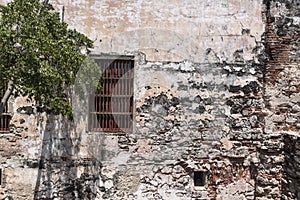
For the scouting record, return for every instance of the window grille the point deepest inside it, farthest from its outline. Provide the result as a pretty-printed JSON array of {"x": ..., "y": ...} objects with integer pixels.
[
  {"x": 113, "y": 104},
  {"x": 5, "y": 116}
]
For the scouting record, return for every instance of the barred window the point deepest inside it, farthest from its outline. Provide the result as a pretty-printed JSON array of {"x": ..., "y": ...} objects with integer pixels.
[
  {"x": 113, "y": 104},
  {"x": 5, "y": 116}
]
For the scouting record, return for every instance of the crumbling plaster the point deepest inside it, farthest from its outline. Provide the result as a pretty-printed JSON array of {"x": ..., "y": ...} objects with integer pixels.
[
  {"x": 169, "y": 30},
  {"x": 207, "y": 98}
]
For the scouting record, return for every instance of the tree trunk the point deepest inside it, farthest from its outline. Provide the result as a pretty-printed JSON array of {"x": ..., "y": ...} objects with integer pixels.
[{"x": 6, "y": 96}]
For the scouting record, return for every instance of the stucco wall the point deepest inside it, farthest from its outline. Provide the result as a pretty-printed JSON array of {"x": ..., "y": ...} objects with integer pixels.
[
  {"x": 203, "y": 99},
  {"x": 169, "y": 30}
]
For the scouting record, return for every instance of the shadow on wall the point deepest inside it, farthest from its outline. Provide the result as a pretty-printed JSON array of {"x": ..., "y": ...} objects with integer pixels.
[
  {"x": 61, "y": 174},
  {"x": 291, "y": 180}
]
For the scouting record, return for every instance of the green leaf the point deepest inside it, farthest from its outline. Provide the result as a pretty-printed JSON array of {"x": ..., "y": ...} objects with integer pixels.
[{"x": 39, "y": 54}]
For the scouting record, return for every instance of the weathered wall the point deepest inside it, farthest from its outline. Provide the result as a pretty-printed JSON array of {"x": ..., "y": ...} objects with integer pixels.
[
  {"x": 169, "y": 30},
  {"x": 281, "y": 96},
  {"x": 213, "y": 92},
  {"x": 291, "y": 183}
]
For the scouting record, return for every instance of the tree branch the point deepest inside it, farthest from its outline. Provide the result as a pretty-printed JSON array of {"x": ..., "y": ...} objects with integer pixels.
[
  {"x": 45, "y": 3},
  {"x": 6, "y": 96}
]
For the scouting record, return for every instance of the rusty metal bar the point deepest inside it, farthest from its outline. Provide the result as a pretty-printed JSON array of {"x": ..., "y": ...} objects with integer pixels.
[
  {"x": 5, "y": 117},
  {"x": 113, "y": 105}
]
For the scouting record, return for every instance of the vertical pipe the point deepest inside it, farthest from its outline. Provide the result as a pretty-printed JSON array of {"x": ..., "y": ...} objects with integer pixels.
[{"x": 63, "y": 14}]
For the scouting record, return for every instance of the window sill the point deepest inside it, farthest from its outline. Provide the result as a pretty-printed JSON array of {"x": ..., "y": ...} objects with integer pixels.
[{"x": 198, "y": 188}]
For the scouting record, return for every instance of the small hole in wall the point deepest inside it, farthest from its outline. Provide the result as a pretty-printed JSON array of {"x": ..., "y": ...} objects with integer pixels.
[{"x": 200, "y": 178}]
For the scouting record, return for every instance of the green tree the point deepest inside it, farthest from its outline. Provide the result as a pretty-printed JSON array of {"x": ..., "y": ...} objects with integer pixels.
[{"x": 39, "y": 55}]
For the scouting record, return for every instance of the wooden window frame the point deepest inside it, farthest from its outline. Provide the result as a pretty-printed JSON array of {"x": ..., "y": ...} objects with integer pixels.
[{"x": 112, "y": 107}]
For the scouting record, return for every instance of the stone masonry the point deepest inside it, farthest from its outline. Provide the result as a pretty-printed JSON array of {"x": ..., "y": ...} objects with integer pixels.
[{"x": 216, "y": 100}]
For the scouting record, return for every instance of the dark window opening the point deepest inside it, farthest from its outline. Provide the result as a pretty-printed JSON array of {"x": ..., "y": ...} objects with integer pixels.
[
  {"x": 200, "y": 178},
  {"x": 113, "y": 104},
  {"x": 4, "y": 116}
]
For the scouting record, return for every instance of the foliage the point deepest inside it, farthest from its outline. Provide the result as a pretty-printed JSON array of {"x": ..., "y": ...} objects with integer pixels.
[{"x": 39, "y": 55}]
